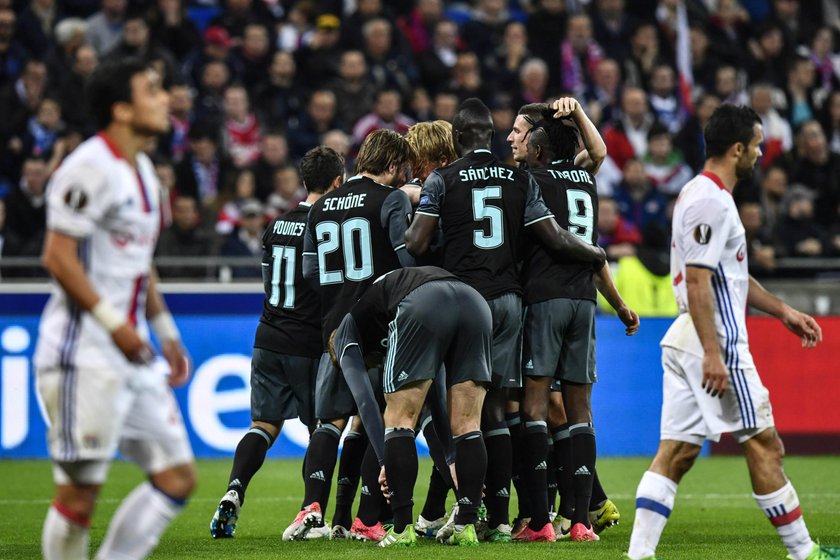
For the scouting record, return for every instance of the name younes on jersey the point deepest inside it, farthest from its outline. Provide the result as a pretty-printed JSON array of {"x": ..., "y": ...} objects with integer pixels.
[
  {"x": 288, "y": 228},
  {"x": 484, "y": 173}
]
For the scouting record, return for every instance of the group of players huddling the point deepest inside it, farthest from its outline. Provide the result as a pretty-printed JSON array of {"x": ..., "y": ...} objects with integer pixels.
[{"x": 437, "y": 290}]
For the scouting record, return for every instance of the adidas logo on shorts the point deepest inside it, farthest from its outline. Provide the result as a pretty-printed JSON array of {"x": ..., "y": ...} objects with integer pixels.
[
  {"x": 503, "y": 493},
  {"x": 402, "y": 377},
  {"x": 365, "y": 490},
  {"x": 582, "y": 471},
  {"x": 541, "y": 467},
  {"x": 530, "y": 364},
  {"x": 318, "y": 475}
]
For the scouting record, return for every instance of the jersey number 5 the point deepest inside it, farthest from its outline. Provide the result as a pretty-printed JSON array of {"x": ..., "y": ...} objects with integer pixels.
[
  {"x": 581, "y": 215},
  {"x": 481, "y": 211},
  {"x": 281, "y": 254},
  {"x": 353, "y": 236}
]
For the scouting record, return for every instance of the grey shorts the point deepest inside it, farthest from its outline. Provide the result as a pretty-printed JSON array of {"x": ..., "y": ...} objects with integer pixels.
[
  {"x": 333, "y": 398},
  {"x": 282, "y": 386},
  {"x": 507, "y": 340},
  {"x": 559, "y": 340},
  {"x": 441, "y": 322}
]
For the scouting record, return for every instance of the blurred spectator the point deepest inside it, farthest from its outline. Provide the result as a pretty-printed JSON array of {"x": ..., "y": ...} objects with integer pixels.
[
  {"x": 729, "y": 29},
  {"x": 761, "y": 255},
  {"x": 766, "y": 62},
  {"x": 626, "y": 136},
  {"x": 664, "y": 166},
  {"x": 165, "y": 172},
  {"x": 774, "y": 184},
  {"x": 274, "y": 154},
  {"x": 643, "y": 56},
  {"x": 418, "y": 26},
  {"x": 831, "y": 121},
  {"x": 436, "y": 62},
  {"x": 12, "y": 54},
  {"x": 667, "y": 107},
  {"x": 818, "y": 169},
  {"x": 704, "y": 63},
  {"x": 729, "y": 86},
  {"x": 19, "y": 100},
  {"x": 280, "y": 99},
  {"x": 612, "y": 26},
  {"x": 505, "y": 65},
  {"x": 352, "y": 36},
  {"x": 420, "y": 107},
  {"x": 339, "y": 141},
  {"x": 579, "y": 55},
  {"x": 501, "y": 109},
  {"x": 239, "y": 13},
  {"x": 254, "y": 54},
  {"x": 354, "y": 92},
  {"x": 466, "y": 78},
  {"x": 639, "y": 202},
  {"x": 387, "y": 113},
  {"x": 246, "y": 239},
  {"x": 320, "y": 117},
  {"x": 801, "y": 78},
  {"x": 217, "y": 48},
  {"x": 778, "y": 138},
  {"x": 209, "y": 104},
  {"x": 296, "y": 31},
  {"x": 74, "y": 106},
  {"x": 533, "y": 83},
  {"x": 205, "y": 173},
  {"x": 486, "y": 26},
  {"x": 184, "y": 238},
  {"x": 826, "y": 62},
  {"x": 545, "y": 25},
  {"x": 105, "y": 26},
  {"x": 690, "y": 140},
  {"x": 602, "y": 98},
  {"x": 617, "y": 236},
  {"x": 288, "y": 191},
  {"x": 172, "y": 29},
  {"x": 317, "y": 60},
  {"x": 176, "y": 142},
  {"x": 26, "y": 213},
  {"x": 644, "y": 279},
  {"x": 388, "y": 65},
  {"x": 797, "y": 234},
  {"x": 43, "y": 128},
  {"x": 69, "y": 38},
  {"x": 444, "y": 106},
  {"x": 231, "y": 211},
  {"x": 135, "y": 41},
  {"x": 241, "y": 128}
]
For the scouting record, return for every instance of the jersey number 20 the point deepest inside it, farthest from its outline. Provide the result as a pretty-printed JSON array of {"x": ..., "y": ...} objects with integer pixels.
[
  {"x": 581, "y": 214},
  {"x": 351, "y": 235}
]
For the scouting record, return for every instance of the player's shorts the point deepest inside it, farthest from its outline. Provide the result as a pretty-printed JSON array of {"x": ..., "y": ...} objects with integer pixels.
[
  {"x": 558, "y": 340},
  {"x": 94, "y": 412},
  {"x": 441, "y": 322},
  {"x": 691, "y": 415},
  {"x": 507, "y": 340},
  {"x": 333, "y": 398},
  {"x": 282, "y": 387}
]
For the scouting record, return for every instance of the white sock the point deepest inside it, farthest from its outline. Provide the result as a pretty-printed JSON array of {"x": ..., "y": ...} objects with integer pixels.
[
  {"x": 654, "y": 502},
  {"x": 782, "y": 508},
  {"x": 138, "y": 524},
  {"x": 65, "y": 535}
]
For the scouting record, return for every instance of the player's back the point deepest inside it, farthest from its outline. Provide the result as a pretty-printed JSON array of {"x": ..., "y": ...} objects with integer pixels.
[
  {"x": 482, "y": 218},
  {"x": 291, "y": 317},
  {"x": 356, "y": 232},
  {"x": 570, "y": 193},
  {"x": 112, "y": 209}
]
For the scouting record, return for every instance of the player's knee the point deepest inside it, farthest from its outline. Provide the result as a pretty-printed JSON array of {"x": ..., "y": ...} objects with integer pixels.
[
  {"x": 178, "y": 482},
  {"x": 534, "y": 410},
  {"x": 81, "y": 500},
  {"x": 270, "y": 428},
  {"x": 684, "y": 458}
]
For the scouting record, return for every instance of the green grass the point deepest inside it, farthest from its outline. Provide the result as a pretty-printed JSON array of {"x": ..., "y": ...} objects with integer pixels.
[{"x": 715, "y": 515}]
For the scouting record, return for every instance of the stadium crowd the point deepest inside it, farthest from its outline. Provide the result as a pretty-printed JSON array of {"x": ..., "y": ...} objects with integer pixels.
[{"x": 255, "y": 84}]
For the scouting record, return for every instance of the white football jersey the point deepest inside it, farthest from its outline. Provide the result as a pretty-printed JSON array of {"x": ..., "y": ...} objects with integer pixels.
[
  {"x": 707, "y": 232},
  {"x": 113, "y": 209}
]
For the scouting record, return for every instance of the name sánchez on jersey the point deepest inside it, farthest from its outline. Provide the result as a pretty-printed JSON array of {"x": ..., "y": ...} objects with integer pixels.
[
  {"x": 345, "y": 202},
  {"x": 484, "y": 173},
  {"x": 288, "y": 228},
  {"x": 574, "y": 175}
]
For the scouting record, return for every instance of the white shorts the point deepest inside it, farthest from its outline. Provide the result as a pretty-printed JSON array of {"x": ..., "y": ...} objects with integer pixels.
[
  {"x": 94, "y": 412},
  {"x": 691, "y": 415}
]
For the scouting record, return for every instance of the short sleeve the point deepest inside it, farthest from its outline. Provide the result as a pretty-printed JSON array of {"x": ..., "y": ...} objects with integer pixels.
[
  {"x": 346, "y": 335},
  {"x": 704, "y": 233},
  {"x": 78, "y": 199},
  {"x": 535, "y": 208},
  {"x": 396, "y": 215},
  {"x": 431, "y": 195}
]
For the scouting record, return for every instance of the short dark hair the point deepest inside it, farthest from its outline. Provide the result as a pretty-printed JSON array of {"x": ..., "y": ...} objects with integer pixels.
[
  {"x": 319, "y": 168},
  {"x": 380, "y": 150},
  {"x": 558, "y": 137},
  {"x": 728, "y": 125},
  {"x": 473, "y": 115},
  {"x": 111, "y": 84},
  {"x": 658, "y": 129}
]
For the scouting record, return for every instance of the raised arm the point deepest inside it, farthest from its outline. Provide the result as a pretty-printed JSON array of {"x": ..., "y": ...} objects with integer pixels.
[
  {"x": 802, "y": 325},
  {"x": 595, "y": 149}
]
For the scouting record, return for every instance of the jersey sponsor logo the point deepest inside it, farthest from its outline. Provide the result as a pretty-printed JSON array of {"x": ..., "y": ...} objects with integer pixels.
[
  {"x": 703, "y": 234},
  {"x": 75, "y": 197},
  {"x": 484, "y": 173},
  {"x": 741, "y": 254}
]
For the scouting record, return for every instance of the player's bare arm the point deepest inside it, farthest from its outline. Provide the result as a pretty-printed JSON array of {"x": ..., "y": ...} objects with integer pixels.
[
  {"x": 595, "y": 150},
  {"x": 702, "y": 309},
  {"x": 60, "y": 259},
  {"x": 802, "y": 325},
  {"x": 567, "y": 244},
  {"x": 419, "y": 235},
  {"x": 167, "y": 333},
  {"x": 605, "y": 285}
]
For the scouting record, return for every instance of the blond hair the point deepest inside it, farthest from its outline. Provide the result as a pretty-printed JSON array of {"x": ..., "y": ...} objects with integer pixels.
[{"x": 430, "y": 142}]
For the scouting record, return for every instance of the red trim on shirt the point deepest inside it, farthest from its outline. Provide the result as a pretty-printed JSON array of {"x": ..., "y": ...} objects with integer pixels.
[
  {"x": 787, "y": 518},
  {"x": 144, "y": 194},
  {"x": 70, "y": 515},
  {"x": 135, "y": 300},
  {"x": 111, "y": 146},
  {"x": 716, "y": 180}
]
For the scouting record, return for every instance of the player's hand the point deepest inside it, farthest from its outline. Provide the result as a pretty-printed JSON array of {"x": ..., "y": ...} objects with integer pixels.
[
  {"x": 131, "y": 345},
  {"x": 715, "y": 375},
  {"x": 802, "y": 325},
  {"x": 179, "y": 362},
  {"x": 383, "y": 484},
  {"x": 630, "y": 319},
  {"x": 565, "y": 107}
]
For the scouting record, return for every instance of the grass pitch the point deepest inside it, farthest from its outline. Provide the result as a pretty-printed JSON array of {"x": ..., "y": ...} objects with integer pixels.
[{"x": 714, "y": 517}]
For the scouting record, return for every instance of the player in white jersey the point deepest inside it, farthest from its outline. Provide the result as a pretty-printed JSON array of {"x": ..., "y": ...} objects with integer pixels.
[
  {"x": 710, "y": 384},
  {"x": 93, "y": 360}
]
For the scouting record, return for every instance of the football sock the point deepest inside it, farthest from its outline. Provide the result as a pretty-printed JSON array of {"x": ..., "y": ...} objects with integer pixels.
[
  {"x": 551, "y": 475},
  {"x": 401, "y": 469},
  {"x": 583, "y": 463},
  {"x": 370, "y": 496},
  {"x": 249, "y": 457},
  {"x": 470, "y": 468},
  {"x": 654, "y": 502},
  {"x": 497, "y": 481},
  {"x": 598, "y": 494},
  {"x": 65, "y": 535},
  {"x": 349, "y": 469},
  {"x": 563, "y": 461},
  {"x": 782, "y": 508},
  {"x": 319, "y": 465},
  {"x": 435, "y": 506},
  {"x": 138, "y": 524},
  {"x": 534, "y": 472},
  {"x": 518, "y": 473}
]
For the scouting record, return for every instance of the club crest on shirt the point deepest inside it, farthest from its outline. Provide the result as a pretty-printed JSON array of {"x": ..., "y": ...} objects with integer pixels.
[
  {"x": 703, "y": 234},
  {"x": 75, "y": 197}
]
